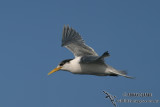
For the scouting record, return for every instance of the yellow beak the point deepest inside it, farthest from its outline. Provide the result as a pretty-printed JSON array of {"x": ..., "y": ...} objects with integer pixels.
[{"x": 54, "y": 70}]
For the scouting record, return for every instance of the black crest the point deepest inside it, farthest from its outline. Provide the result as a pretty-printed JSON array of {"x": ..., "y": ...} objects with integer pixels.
[{"x": 65, "y": 61}]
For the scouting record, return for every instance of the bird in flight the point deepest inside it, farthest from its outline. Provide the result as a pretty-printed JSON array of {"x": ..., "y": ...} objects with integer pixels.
[{"x": 86, "y": 60}]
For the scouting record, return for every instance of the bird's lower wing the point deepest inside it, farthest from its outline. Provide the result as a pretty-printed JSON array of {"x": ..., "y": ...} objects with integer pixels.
[{"x": 91, "y": 60}]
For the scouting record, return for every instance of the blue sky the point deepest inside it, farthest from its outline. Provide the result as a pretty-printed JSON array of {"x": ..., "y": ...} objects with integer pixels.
[{"x": 30, "y": 40}]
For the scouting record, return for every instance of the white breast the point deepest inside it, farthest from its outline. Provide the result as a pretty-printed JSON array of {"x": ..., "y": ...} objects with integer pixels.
[
  {"x": 93, "y": 69},
  {"x": 74, "y": 65}
]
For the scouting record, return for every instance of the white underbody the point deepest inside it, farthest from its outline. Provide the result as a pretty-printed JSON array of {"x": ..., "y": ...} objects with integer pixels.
[{"x": 93, "y": 69}]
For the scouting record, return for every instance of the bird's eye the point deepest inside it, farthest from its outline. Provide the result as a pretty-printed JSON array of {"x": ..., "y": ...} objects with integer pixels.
[{"x": 61, "y": 64}]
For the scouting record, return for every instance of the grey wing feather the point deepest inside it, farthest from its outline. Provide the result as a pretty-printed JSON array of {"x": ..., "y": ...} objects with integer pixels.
[
  {"x": 92, "y": 59},
  {"x": 95, "y": 59},
  {"x": 74, "y": 42}
]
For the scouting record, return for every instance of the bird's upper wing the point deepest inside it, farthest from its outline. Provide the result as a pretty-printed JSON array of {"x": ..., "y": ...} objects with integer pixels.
[{"x": 73, "y": 41}]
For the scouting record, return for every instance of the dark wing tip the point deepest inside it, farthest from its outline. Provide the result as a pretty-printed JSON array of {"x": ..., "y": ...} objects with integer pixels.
[{"x": 70, "y": 35}]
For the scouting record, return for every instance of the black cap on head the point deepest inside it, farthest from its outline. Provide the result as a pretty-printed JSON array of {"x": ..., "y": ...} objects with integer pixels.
[{"x": 65, "y": 61}]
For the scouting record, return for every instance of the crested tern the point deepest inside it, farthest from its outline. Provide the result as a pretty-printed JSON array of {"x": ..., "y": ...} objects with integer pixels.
[{"x": 86, "y": 60}]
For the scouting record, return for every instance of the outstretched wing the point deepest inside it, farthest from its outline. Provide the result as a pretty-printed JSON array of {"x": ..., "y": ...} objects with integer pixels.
[{"x": 74, "y": 42}]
